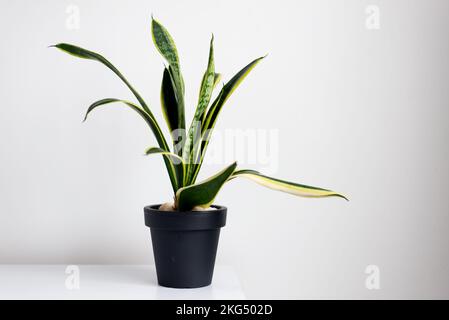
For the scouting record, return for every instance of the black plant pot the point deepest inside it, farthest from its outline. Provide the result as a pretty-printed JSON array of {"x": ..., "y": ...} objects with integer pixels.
[{"x": 185, "y": 245}]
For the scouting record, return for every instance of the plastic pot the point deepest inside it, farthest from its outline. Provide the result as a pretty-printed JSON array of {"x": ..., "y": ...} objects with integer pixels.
[{"x": 185, "y": 245}]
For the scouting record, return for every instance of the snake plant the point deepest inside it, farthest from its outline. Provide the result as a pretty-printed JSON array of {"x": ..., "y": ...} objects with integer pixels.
[{"x": 184, "y": 155}]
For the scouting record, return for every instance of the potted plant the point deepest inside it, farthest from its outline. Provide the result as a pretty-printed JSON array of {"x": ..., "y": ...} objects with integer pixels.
[{"x": 185, "y": 232}]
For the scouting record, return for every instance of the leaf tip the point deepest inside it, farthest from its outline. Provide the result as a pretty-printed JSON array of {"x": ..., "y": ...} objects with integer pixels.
[
  {"x": 87, "y": 114},
  {"x": 154, "y": 21},
  {"x": 57, "y": 46},
  {"x": 342, "y": 196}
]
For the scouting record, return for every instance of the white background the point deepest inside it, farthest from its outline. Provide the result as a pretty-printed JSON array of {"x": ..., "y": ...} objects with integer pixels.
[{"x": 360, "y": 111}]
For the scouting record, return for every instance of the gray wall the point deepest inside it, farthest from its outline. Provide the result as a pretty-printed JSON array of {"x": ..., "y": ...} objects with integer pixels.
[{"x": 356, "y": 109}]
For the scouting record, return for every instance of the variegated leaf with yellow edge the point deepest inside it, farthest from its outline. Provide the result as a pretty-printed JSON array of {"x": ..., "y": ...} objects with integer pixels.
[
  {"x": 286, "y": 186},
  {"x": 203, "y": 193}
]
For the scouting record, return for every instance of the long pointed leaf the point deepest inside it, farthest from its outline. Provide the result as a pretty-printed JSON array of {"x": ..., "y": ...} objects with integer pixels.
[
  {"x": 175, "y": 122},
  {"x": 209, "y": 121},
  {"x": 87, "y": 54},
  {"x": 156, "y": 150},
  {"x": 203, "y": 193},
  {"x": 164, "y": 43},
  {"x": 166, "y": 46},
  {"x": 226, "y": 92},
  {"x": 151, "y": 123},
  {"x": 176, "y": 160},
  {"x": 286, "y": 186},
  {"x": 193, "y": 140}
]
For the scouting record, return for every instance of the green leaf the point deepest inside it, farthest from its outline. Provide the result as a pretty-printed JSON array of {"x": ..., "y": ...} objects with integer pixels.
[
  {"x": 170, "y": 110},
  {"x": 226, "y": 92},
  {"x": 286, "y": 186},
  {"x": 155, "y": 150},
  {"x": 151, "y": 123},
  {"x": 203, "y": 193},
  {"x": 209, "y": 121},
  {"x": 193, "y": 139},
  {"x": 164, "y": 43},
  {"x": 169, "y": 105},
  {"x": 86, "y": 54},
  {"x": 166, "y": 46},
  {"x": 149, "y": 119},
  {"x": 172, "y": 92},
  {"x": 207, "y": 83},
  {"x": 176, "y": 160}
]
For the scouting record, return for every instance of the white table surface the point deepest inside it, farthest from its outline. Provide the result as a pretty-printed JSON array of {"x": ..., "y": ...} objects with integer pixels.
[{"x": 106, "y": 282}]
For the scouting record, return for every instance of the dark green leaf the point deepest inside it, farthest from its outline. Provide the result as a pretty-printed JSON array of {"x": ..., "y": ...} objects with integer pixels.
[
  {"x": 151, "y": 123},
  {"x": 203, "y": 193},
  {"x": 86, "y": 54},
  {"x": 176, "y": 160},
  {"x": 169, "y": 104}
]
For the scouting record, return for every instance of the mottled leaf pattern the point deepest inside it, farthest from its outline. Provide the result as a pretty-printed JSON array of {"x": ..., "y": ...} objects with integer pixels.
[
  {"x": 184, "y": 162},
  {"x": 164, "y": 43},
  {"x": 167, "y": 48},
  {"x": 192, "y": 144}
]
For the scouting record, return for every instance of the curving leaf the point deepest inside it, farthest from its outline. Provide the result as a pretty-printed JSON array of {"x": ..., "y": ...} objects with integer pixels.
[
  {"x": 210, "y": 119},
  {"x": 176, "y": 160},
  {"x": 155, "y": 150},
  {"x": 151, "y": 123},
  {"x": 203, "y": 193},
  {"x": 286, "y": 186},
  {"x": 87, "y": 54},
  {"x": 191, "y": 147}
]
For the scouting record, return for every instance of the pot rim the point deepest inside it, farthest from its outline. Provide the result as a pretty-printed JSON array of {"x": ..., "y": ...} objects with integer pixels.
[
  {"x": 185, "y": 220},
  {"x": 155, "y": 208}
]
